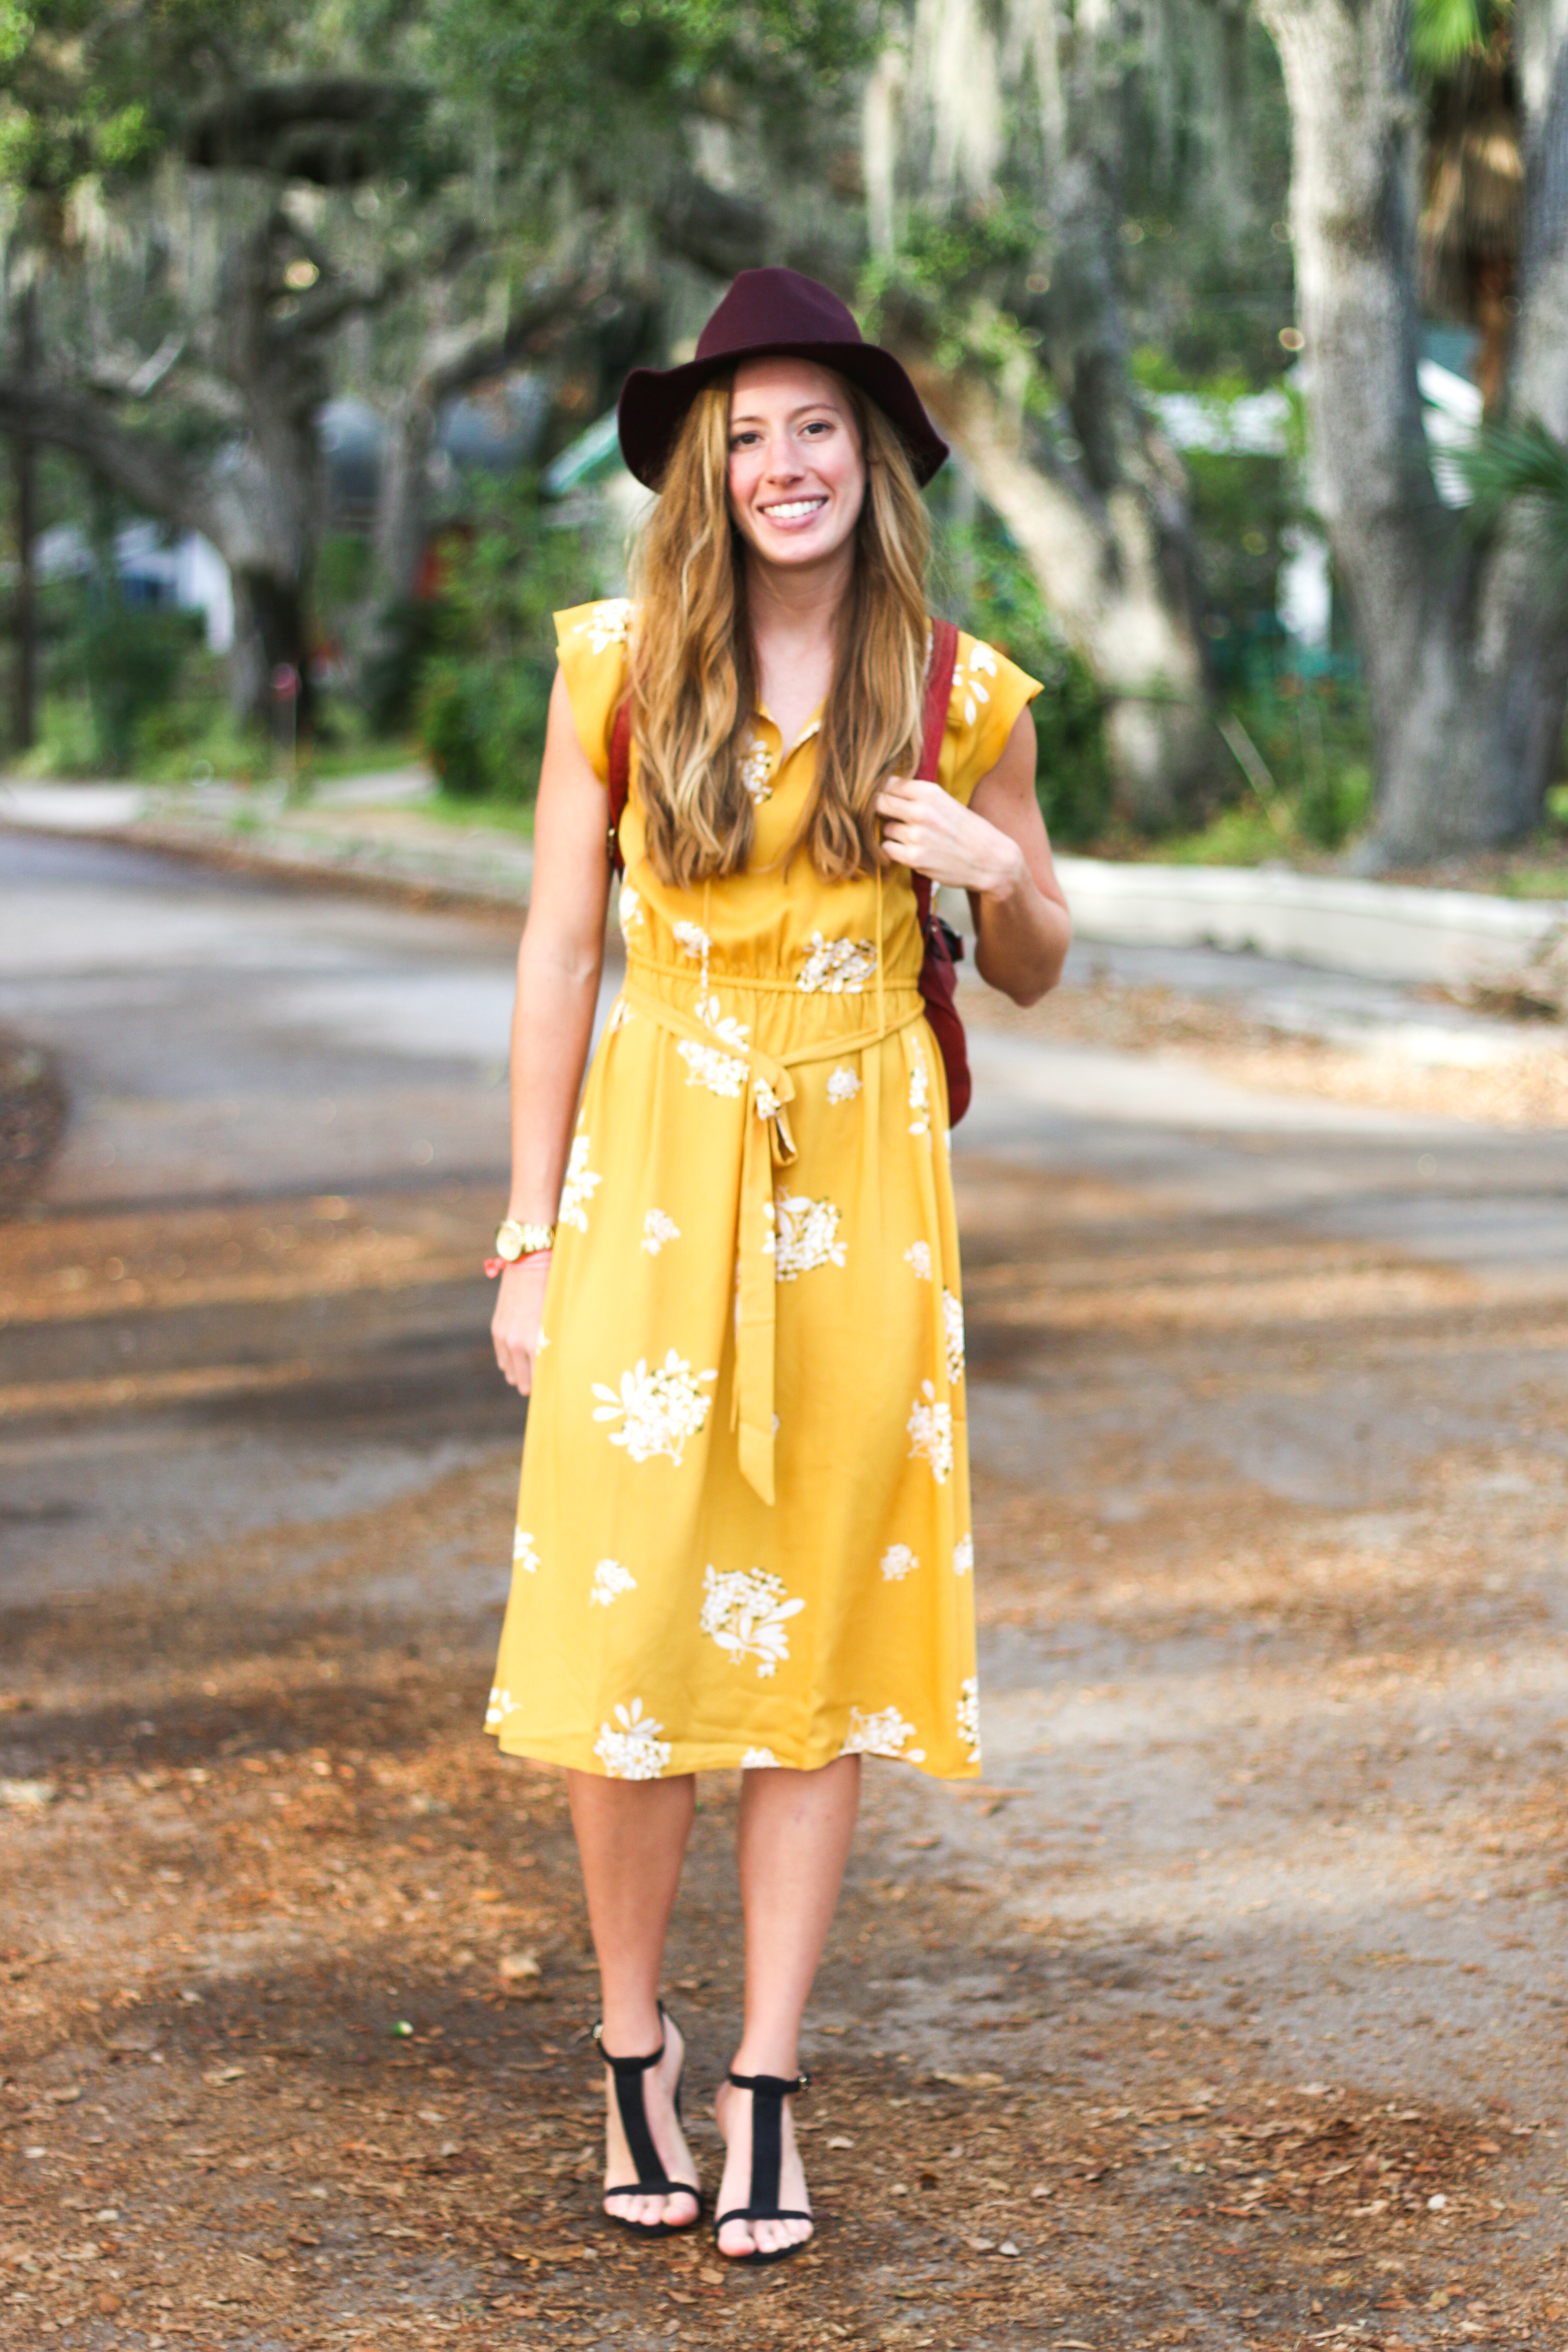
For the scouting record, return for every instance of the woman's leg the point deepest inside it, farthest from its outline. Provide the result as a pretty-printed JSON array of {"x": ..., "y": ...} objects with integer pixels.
[
  {"x": 631, "y": 1836},
  {"x": 795, "y": 1830}
]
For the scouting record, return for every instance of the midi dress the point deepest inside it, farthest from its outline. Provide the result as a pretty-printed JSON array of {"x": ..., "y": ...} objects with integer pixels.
[{"x": 743, "y": 1531}]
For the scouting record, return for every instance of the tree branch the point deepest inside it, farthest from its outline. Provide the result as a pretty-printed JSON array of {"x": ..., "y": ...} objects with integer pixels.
[
  {"x": 459, "y": 356},
  {"x": 153, "y": 475}
]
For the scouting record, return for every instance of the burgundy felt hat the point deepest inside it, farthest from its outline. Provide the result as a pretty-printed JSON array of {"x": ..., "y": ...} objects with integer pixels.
[{"x": 769, "y": 311}]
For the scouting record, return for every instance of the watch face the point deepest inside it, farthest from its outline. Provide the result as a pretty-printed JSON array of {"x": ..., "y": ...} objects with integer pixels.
[{"x": 508, "y": 1242}]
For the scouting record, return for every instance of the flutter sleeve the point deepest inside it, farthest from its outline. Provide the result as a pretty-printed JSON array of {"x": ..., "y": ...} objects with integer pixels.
[
  {"x": 988, "y": 693},
  {"x": 591, "y": 640}
]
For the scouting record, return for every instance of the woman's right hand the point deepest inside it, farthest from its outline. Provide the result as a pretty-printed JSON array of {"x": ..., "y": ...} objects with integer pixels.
[{"x": 514, "y": 1326}]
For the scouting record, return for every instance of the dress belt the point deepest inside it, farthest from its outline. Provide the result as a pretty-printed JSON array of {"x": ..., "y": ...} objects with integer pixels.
[{"x": 769, "y": 1145}]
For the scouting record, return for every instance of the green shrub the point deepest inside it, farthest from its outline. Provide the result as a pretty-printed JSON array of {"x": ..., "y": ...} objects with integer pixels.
[
  {"x": 132, "y": 658},
  {"x": 482, "y": 693},
  {"x": 981, "y": 578}
]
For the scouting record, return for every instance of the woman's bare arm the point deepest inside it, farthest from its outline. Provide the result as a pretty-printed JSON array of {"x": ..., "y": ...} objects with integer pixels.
[
  {"x": 997, "y": 850},
  {"x": 558, "y": 967}
]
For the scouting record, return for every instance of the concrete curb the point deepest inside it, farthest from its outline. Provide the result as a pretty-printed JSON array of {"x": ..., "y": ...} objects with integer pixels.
[
  {"x": 1378, "y": 931},
  {"x": 1381, "y": 931}
]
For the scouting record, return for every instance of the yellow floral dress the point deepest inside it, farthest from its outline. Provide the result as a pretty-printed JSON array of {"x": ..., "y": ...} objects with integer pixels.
[{"x": 744, "y": 1534}]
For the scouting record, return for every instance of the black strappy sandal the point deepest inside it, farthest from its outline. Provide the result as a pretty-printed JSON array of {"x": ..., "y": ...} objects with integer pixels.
[
  {"x": 652, "y": 2180},
  {"x": 769, "y": 2092}
]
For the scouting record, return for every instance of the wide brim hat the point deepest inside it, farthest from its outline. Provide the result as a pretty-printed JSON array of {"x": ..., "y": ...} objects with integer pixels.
[{"x": 771, "y": 314}]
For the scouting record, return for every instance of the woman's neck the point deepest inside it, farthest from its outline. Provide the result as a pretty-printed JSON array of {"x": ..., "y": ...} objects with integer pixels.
[{"x": 793, "y": 614}]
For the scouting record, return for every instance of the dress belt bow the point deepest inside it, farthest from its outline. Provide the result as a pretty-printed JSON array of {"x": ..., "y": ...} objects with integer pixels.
[{"x": 768, "y": 1145}]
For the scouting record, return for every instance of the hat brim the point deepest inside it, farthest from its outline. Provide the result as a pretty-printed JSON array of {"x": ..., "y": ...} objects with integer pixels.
[{"x": 654, "y": 401}]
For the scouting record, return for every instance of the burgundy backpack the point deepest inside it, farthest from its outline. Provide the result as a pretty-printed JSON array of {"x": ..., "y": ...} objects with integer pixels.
[{"x": 944, "y": 948}]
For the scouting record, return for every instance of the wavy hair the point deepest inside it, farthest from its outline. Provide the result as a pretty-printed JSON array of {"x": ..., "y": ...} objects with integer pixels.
[{"x": 693, "y": 668}]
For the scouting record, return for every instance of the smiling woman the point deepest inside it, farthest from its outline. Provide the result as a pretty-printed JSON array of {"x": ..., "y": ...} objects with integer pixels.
[{"x": 744, "y": 1536}]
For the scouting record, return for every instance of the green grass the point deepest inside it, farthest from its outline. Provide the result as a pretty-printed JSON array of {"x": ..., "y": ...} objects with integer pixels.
[
  {"x": 1535, "y": 882},
  {"x": 494, "y": 816}
]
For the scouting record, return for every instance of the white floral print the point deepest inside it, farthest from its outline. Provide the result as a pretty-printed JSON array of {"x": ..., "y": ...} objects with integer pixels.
[
  {"x": 759, "y": 1760},
  {"x": 964, "y": 1556},
  {"x": 693, "y": 941},
  {"x": 656, "y": 1230},
  {"x": 842, "y": 1084},
  {"x": 806, "y": 1235},
  {"x": 917, "y": 1257},
  {"x": 929, "y": 1427},
  {"x": 757, "y": 769},
  {"x": 658, "y": 1410},
  {"x": 578, "y": 1190},
  {"x": 724, "y": 1026},
  {"x": 897, "y": 1562},
  {"x": 919, "y": 1095},
  {"x": 523, "y": 1555},
  {"x": 969, "y": 1715},
  {"x": 630, "y": 908},
  {"x": 952, "y": 1332},
  {"x": 635, "y": 1752},
  {"x": 837, "y": 967},
  {"x": 611, "y": 1576},
  {"x": 745, "y": 1611},
  {"x": 768, "y": 1105},
  {"x": 610, "y": 623},
  {"x": 620, "y": 1013},
  {"x": 502, "y": 1704},
  {"x": 722, "y": 1073},
  {"x": 966, "y": 681},
  {"x": 883, "y": 1734}
]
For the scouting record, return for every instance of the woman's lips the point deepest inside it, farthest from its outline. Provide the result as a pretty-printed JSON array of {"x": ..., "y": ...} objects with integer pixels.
[{"x": 793, "y": 514}]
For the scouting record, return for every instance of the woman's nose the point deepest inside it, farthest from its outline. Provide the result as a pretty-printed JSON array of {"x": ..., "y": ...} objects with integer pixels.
[{"x": 783, "y": 462}]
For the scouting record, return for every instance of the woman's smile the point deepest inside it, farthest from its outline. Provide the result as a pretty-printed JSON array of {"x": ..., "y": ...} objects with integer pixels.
[{"x": 793, "y": 514}]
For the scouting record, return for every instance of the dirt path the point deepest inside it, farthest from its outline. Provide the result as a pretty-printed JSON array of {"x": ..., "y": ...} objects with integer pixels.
[{"x": 1227, "y": 2011}]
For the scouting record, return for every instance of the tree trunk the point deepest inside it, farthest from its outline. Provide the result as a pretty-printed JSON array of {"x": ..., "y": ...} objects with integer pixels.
[
  {"x": 1466, "y": 656},
  {"x": 1121, "y": 590},
  {"x": 24, "y": 470},
  {"x": 271, "y": 633}
]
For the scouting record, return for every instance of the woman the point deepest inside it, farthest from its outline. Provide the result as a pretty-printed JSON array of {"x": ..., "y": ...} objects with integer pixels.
[{"x": 744, "y": 1531}]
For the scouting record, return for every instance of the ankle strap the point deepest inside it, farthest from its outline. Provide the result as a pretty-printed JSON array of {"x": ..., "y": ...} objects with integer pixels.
[
  {"x": 630, "y": 2065},
  {"x": 777, "y": 2084}
]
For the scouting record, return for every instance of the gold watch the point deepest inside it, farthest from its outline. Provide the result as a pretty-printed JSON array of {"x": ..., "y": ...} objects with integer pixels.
[{"x": 514, "y": 1241}]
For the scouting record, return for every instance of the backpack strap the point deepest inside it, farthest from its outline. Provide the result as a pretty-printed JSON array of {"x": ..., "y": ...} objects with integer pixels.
[
  {"x": 939, "y": 694},
  {"x": 620, "y": 780}
]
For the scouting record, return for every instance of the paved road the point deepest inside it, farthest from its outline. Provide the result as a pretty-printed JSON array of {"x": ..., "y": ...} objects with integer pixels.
[{"x": 1266, "y": 1410}]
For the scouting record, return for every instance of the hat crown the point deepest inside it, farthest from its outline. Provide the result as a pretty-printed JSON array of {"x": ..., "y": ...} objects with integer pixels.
[{"x": 777, "y": 306}]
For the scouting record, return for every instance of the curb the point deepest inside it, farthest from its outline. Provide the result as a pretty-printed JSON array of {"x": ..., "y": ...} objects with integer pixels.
[
  {"x": 1380, "y": 930},
  {"x": 1377, "y": 931}
]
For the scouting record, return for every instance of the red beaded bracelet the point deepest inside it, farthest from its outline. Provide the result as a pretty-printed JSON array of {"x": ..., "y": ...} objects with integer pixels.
[{"x": 494, "y": 1265}]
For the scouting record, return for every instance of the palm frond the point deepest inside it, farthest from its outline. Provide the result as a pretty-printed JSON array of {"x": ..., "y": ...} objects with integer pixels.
[
  {"x": 1445, "y": 31},
  {"x": 1521, "y": 465}
]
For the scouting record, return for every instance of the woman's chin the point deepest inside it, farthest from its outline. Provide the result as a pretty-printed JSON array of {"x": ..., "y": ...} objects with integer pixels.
[{"x": 792, "y": 550}]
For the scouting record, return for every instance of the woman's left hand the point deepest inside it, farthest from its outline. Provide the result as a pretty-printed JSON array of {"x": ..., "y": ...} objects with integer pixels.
[{"x": 926, "y": 829}]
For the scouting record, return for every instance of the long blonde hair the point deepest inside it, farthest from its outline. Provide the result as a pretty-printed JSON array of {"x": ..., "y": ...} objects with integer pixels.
[{"x": 693, "y": 683}]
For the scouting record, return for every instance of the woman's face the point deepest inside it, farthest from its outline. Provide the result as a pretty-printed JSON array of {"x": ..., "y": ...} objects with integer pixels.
[{"x": 797, "y": 475}]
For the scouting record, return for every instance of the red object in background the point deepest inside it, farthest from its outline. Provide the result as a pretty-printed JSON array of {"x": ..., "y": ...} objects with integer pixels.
[
  {"x": 430, "y": 580},
  {"x": 286, "y": 682}
]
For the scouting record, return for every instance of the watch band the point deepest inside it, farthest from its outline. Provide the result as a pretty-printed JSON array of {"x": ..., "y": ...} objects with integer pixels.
[{"x": 514, "y": 1240}]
